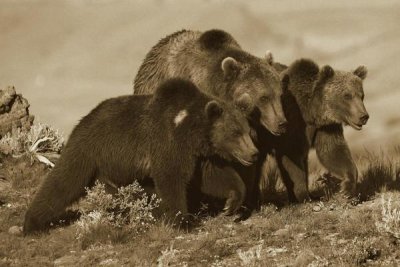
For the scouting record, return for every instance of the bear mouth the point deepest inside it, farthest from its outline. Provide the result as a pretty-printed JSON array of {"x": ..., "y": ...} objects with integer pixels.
[
  {"x": 276, "y": 132},
  {"x": 242, "y": 160},
  {"x": 356, "y": 126}
]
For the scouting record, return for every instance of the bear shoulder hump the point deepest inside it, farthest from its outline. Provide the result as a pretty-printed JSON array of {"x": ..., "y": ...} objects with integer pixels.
[
  {"x": 303, "y": 67},
  {"x": 216, "y": 39},
  {"x": 176, "y": 89}
]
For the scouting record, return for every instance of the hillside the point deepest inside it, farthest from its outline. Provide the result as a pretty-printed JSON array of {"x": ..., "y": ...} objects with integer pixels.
[{"x": 320, "y": 233}]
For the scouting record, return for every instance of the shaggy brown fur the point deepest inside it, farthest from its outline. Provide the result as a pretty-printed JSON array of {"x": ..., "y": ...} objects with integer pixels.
[
  {"x": 214, "y": 61},
  {"x": 165, "y": 136},
  {"x": 317, "y": 102}
]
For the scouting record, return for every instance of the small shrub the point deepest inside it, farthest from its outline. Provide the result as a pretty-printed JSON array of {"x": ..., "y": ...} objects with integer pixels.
[
  {"x": 130, "y": 209},
  {"x": 168, "y": 256},
  {"x": 390, "y": 218},
  {"x": 39, "y": 143},
  {"x": 250, "y": 257}
]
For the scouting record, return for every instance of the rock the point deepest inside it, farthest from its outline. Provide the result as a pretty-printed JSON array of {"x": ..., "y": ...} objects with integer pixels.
[
  {"x": 281, "y": 232},
  {"x": 107, "y": 262},
  {"x": 6, "y": 96},
  {"x": 68, "y": 260},
  {"x": 316, "y": 208},
  {"x": 304, "y": 258},
  {"x": 15, "y": 230},
  {"x": 14, "y": 111}
]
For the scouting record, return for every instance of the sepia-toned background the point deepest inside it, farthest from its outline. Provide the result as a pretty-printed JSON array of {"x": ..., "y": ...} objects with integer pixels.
[{"x": 67, "y": 56}]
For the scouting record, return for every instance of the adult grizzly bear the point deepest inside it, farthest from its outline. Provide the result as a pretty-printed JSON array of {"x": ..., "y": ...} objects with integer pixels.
[
  {"x": 215, "y": 62},
  {"x": 163, "y": 136},
  {"x": 317, "y": 103}
]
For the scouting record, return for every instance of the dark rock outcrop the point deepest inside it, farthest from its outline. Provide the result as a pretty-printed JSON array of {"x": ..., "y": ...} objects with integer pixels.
[{"x": 14, "y": 111}]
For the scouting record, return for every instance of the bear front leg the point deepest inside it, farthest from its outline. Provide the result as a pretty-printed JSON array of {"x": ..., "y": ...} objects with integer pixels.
[
  {"x": 294, "y": 173},
  {"x": 171, "y": 181},
  {"x": 251, "y": 178},
  {"x": 223, "y": 182},
  {"x": 335, "y": 156}
]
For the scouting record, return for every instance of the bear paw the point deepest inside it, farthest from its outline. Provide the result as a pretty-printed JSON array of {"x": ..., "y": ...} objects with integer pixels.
[
  {"x": 244, "y": 214},
  {"x": 233, "y": 203}
]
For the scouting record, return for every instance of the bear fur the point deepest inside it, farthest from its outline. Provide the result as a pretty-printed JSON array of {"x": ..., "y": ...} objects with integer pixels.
[
  {"x": 215, "y": 62},
  {"x": 317, "y": 102},
  {"x": 164, "y": 136}
]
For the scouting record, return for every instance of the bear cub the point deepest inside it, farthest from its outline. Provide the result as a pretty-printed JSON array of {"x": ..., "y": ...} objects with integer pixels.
[
  {"x": 164, "y": 136},
  {"x": 317, "y": 103}
]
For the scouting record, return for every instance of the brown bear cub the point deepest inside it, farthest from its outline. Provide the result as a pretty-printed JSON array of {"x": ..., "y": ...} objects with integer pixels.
[
  {"x": 164, "y": 136},
  {"x": 215, "y": 62},
  {"x": 317, "y": 103}
]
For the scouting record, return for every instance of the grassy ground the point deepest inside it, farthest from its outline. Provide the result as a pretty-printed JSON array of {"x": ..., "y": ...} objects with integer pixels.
[{"x": 320, "y": 233}]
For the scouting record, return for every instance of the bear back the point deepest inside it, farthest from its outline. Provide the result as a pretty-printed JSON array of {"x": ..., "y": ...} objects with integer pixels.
[{"x": 216, "y": 39}]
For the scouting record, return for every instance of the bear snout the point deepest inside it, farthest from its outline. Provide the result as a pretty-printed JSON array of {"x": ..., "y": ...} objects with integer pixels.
[
  {"x": 364, "y": 118},
  {"x": 251, "y": 155},
  {"x": 282, "y": 125},
  {"x": 254, "y": 155}
]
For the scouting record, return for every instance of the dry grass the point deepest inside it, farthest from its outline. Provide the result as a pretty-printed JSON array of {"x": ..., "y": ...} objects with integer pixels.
[{"x": 333, "y": 234}]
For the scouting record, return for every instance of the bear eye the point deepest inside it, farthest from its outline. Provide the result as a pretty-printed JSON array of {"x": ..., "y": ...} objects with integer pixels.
[
  {"x": 237, "y": 133},
  {"x": 241, "y": 107},
  {"x": 264, "y": 98},
  {"x": 348, "y": 96}
]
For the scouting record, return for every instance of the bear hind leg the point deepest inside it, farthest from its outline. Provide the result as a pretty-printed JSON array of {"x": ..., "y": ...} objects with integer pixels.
[{"x": 64, "y": 185}]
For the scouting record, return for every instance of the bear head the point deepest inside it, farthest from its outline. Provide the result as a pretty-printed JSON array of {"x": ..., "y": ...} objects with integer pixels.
[
  {"x": 256, "y": 77},
  {"x": 221, "y": 125},
  {"x": 342, "y": 96},
  {"x": 230, "y": 131}
]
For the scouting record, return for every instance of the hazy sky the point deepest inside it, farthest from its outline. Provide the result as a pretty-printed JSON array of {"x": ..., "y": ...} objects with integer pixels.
[{"x": 67, "y": 56}]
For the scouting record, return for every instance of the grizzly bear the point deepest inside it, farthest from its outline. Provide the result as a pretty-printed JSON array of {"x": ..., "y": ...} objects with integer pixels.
[
  {"x": 317, "y": 103},
  {"x": 164, "y": 136},
  {"x": 214, "y": 61}
]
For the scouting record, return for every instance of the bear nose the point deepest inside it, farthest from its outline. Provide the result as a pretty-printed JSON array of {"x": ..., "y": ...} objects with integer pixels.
[
  {"x": 254, "y": 155},
  {"x": 283, "y": 124},
  {"x": 364, "y": 119}
]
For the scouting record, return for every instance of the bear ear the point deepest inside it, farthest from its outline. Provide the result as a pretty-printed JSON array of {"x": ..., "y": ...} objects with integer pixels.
[
  {"x": 230, "y": 67},
  {"x": 326, "y": 72},
  {"x": 213, "y": 110},
  {"x": 269, "y": 57},
  {"x": 245, "y": 103},
  {"x": 361, "y": 72}
]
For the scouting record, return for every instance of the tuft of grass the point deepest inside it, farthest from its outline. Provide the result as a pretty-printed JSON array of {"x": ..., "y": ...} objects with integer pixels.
[
  {"x": 40, "y": 143},
  {"x": 251, "y": 257},
  {"x": 380, "y": 172},
  {"x": 390, "y": 218},
  {"x": 168, "y": 256}
]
